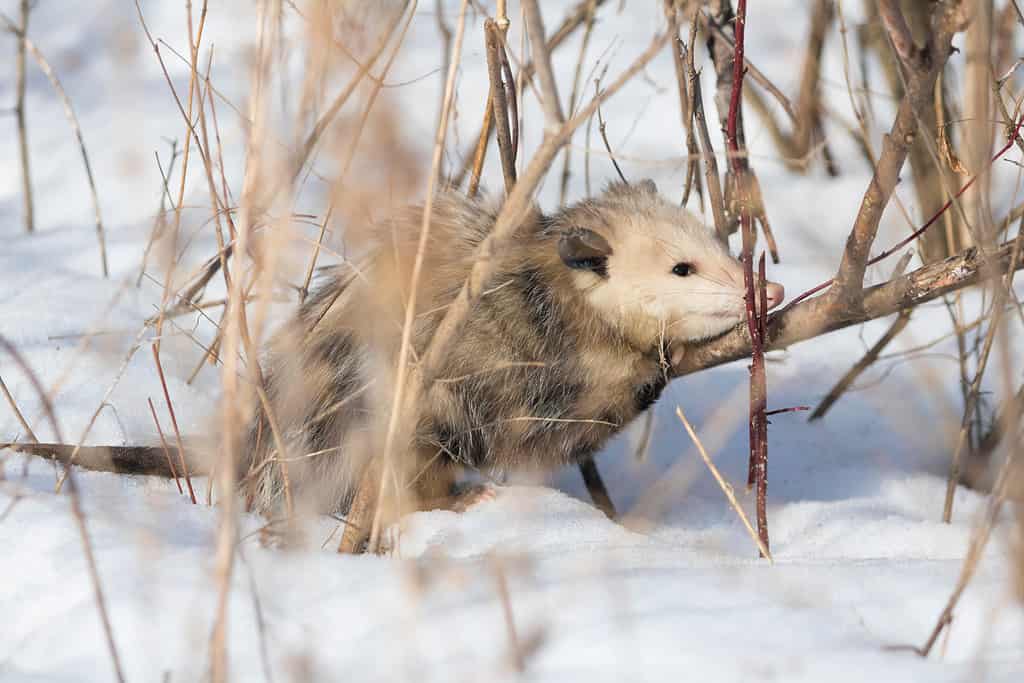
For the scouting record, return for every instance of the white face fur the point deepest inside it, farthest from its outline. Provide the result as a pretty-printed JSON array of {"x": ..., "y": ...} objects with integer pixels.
[{"x": 666, "y": 273}]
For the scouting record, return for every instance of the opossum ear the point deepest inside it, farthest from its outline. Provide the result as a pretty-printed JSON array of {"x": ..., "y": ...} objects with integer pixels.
[{"x": 583, "y": 249}]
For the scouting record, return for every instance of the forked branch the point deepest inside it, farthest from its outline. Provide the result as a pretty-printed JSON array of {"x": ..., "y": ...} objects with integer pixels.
[
  {"x": 814, "y": 317},
  {"x": 946, "y": 21}
]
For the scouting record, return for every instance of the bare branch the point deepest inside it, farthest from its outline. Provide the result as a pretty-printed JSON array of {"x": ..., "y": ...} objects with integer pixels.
[
  {"x": 19, "y": 115},
  {"x": 815, "y": 317},
  {"x": 69, "y": 113},
  {"x": 726, "y": 487},
  {"x": 542, "y": 61},
  {"x": 899, "y": 32},
  {"x": 895, "y": 147},
  {"x": 76, "y": 508},
  {"x": 860, "y": 366},
  {"x": 712, "y": 179},
  {"x": 499, "y": 105}
]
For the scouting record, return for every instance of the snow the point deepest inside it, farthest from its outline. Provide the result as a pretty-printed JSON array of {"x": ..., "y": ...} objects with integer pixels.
[{"x": 862, "y": 562}]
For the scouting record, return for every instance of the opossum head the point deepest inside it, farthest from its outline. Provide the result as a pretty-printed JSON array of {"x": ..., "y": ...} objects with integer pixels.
[{"x": 650, "y": 268}]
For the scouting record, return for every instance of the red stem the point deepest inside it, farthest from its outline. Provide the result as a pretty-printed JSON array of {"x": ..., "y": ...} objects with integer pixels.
[
  {"x": 163, "y": 442},
  {"x": 762, "y": 403},
  {"x": 755, "y": 291},
  {"x": 174, "y": 422},
  {"x": 737, "y": 81},
  {"x": 780, "y": 411}
]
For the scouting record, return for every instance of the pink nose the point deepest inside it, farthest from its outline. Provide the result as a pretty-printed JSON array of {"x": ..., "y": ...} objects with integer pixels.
[{"x": 775, "y": 293}]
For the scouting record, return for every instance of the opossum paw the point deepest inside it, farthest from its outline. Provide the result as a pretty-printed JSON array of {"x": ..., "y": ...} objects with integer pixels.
[{"x": 463, "y": 499}]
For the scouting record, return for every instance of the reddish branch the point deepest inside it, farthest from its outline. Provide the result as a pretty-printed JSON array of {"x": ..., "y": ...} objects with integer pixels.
[
  {"x": 1014, "y": 137},
  {"x": 742, "y": 189},
  {"x": 755, "y": 295}
]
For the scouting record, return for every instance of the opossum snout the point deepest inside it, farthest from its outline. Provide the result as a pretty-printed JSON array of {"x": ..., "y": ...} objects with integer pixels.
[{"x": 775, "y": 293}]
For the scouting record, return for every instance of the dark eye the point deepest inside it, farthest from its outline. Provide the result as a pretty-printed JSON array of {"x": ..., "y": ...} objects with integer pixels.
[{"x": 683, "y": 269}]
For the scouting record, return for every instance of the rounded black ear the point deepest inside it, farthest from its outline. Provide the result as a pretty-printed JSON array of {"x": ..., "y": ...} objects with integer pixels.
[{"x": 583, "y": 249}]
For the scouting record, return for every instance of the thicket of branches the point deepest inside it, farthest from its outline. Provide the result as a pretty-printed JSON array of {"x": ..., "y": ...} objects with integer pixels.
[{"x": 958, "y": 114}]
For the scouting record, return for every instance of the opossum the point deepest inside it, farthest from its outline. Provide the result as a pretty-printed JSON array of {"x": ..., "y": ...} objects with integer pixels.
[{"x": 572, "y": 338}]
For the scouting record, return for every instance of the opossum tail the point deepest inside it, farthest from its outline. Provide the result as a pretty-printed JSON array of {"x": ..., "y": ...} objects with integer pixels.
[{"x": 149, "y": 460}]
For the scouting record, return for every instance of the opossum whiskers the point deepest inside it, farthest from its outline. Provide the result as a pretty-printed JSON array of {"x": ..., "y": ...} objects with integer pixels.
[
  {"x": 538, "y": 418},
  {"x": 703, "y": 275}
]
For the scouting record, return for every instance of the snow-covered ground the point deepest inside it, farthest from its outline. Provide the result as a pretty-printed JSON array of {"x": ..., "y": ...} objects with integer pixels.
[{"x": 862, "y": 562}]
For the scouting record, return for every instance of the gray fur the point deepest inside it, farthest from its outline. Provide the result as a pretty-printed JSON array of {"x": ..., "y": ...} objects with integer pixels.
[
  {"x": 569, "y": 342},
  {"x": 514, "y": 389}
]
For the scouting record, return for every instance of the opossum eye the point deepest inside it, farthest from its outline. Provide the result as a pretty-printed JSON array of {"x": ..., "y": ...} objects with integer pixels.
[
  {"x": 683, "y": 269},
  {"x": 583, "y": 249}
]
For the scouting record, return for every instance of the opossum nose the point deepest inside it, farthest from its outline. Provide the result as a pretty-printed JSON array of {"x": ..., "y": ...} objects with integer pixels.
[{"x": 775, "y": 293}]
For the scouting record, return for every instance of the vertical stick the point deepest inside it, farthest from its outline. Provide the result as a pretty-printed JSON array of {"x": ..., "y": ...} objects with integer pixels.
[
  {"x": 19, "y": 114},
  {"x": 758, "y": 466},
  {"x": 398, "y": 405},
  {"x": 174, "y": 422},
  {"x": 163, "y": 444},
  {"x": 495, "y": 41},
  {"x": 17, "y": 413},
  {"x": 762, "y": 402}
]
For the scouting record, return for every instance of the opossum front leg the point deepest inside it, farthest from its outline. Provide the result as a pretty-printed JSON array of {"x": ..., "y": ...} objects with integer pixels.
[
  {"x": 432, "y": 486},
  {"x": 435, "y": 486}
]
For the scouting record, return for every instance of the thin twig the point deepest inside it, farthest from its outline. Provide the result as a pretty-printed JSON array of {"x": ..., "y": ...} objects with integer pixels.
[
  {"x": 397, "y": 406},
  {"x": 339, "y": 101},
  {"x": 860, "y": 366},
  {"x": 19, "y": 115},
  {"x": 998, "y": 308},
  {"x": 77, "y": 510},
  {"x": 712, "y": 179},
  {"x": 575, "y": 94},
  {"x": 682, "y": 60},
  {"x": 1008, "y": 471},
  {"x": 931, "y": 221},
  {"x": 304, "y": 292},
  {"x": 163, "y": 444},
  {"x": 896, "y": 145},
  {"x": 69, "y": 113},
  {"x": 755, "y": 289},
  {"x": 542, "y": 61},
  {"x": 726, "y": 487},
  {"x": 17, "y": 413},
  {"x": 499, "y": 105},
  {"x": 604, "y": 137},
  {"x": 174, "y": 422},
  {"x": 751, "y": 69},
  {"x": 99, "y": 408}
]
